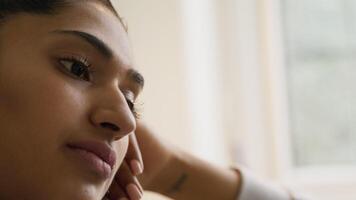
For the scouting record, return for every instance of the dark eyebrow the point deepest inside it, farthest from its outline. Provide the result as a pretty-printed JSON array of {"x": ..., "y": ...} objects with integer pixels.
[
  {"x": 133, "y": 74},
  {"x": 91, "y": 39},
  {"x": 136, "y": 77}
]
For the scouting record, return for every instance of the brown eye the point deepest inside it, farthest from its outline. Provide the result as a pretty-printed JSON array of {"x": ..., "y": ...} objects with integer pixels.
[
  {"x": 130, "y": 104},
  {"x": 130, "y": 101},
  {"x": 76, "y": 68},
  {"x": 133, "y": 108}
]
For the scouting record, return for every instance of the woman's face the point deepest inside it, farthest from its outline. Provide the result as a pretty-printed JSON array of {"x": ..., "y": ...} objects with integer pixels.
[{"x": 49, "y": 104}]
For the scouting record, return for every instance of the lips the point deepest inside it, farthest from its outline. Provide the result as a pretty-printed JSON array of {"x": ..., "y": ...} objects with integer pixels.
[{"x": 100, "y": 149}]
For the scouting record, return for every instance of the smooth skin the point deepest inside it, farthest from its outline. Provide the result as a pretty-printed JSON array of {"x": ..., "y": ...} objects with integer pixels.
[{"x": 44, "y": 106}]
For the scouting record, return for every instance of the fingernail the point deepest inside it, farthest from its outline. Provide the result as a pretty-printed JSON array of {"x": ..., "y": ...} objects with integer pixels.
[
  {"x": 136, "y": 167},
  {"x": 133, "y": 192}
]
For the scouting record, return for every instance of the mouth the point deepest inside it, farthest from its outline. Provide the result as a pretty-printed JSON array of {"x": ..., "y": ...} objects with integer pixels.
[{"x": 97, "y": 156}]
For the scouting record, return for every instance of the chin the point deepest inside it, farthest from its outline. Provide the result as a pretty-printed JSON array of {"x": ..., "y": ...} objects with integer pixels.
[
  {"x": 82, "y": 194},
  {"x": 77, "y": 188}
]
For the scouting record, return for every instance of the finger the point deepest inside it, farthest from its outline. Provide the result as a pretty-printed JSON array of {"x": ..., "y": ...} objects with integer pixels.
[
  {"x": 133, "y": 192},
  {"x": 133, "y": 156},
  {"x": 125, "y": 178},
  {"x": 117, "y": 192}
]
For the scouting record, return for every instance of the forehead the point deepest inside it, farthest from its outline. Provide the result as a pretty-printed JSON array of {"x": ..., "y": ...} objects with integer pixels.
[{"x": 90, "y": 17}]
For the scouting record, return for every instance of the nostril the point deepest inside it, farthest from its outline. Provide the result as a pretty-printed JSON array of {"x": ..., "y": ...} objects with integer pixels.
[{"x": 110, "y": 125}]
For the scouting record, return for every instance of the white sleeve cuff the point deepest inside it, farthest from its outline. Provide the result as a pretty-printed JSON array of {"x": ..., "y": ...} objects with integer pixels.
[{"x": 255, "y": 189}]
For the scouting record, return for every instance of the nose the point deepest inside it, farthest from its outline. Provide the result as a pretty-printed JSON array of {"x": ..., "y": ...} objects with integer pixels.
[{"x": 112, "y": 115}]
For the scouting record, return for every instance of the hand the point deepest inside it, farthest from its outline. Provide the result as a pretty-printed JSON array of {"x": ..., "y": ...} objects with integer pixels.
[
  {"x": 179, "y": 175},
  {"x": 156, "y": 155},
  {"x": 125, "y": 183}
]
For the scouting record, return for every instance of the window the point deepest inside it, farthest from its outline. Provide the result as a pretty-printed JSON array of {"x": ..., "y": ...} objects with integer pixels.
[{"x": 320, "y": 41}]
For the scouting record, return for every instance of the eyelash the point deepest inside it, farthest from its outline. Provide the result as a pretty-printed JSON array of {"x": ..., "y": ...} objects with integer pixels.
[
  {"x": 83, "y": 62},
  {"x": 134, "y": 109}
]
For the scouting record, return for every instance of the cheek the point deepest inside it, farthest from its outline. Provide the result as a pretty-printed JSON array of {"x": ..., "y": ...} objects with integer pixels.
[{"x": 37, "y": 101}]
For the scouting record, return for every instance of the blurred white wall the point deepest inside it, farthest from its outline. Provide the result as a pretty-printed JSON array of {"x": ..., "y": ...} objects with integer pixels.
[
  {"x": 156, "y": 35},
  {"x": 174, "y": 45}
]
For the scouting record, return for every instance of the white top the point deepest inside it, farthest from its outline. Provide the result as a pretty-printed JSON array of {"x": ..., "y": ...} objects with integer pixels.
[{"x": 253, "y": 188}]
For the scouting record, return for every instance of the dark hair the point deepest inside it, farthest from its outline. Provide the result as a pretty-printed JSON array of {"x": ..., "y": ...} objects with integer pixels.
[{"x": 42, "y": 7}]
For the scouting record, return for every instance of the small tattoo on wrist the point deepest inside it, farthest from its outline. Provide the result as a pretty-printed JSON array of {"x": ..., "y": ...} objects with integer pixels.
[{"x": 178, "y": 184}]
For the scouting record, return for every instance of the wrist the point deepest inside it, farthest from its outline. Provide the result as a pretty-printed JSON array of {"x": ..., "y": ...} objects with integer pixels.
[
  {"x": 166, "y": 175},
  {"x": 188, "y": 177},
  {"x": 173, "y": 178}
]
